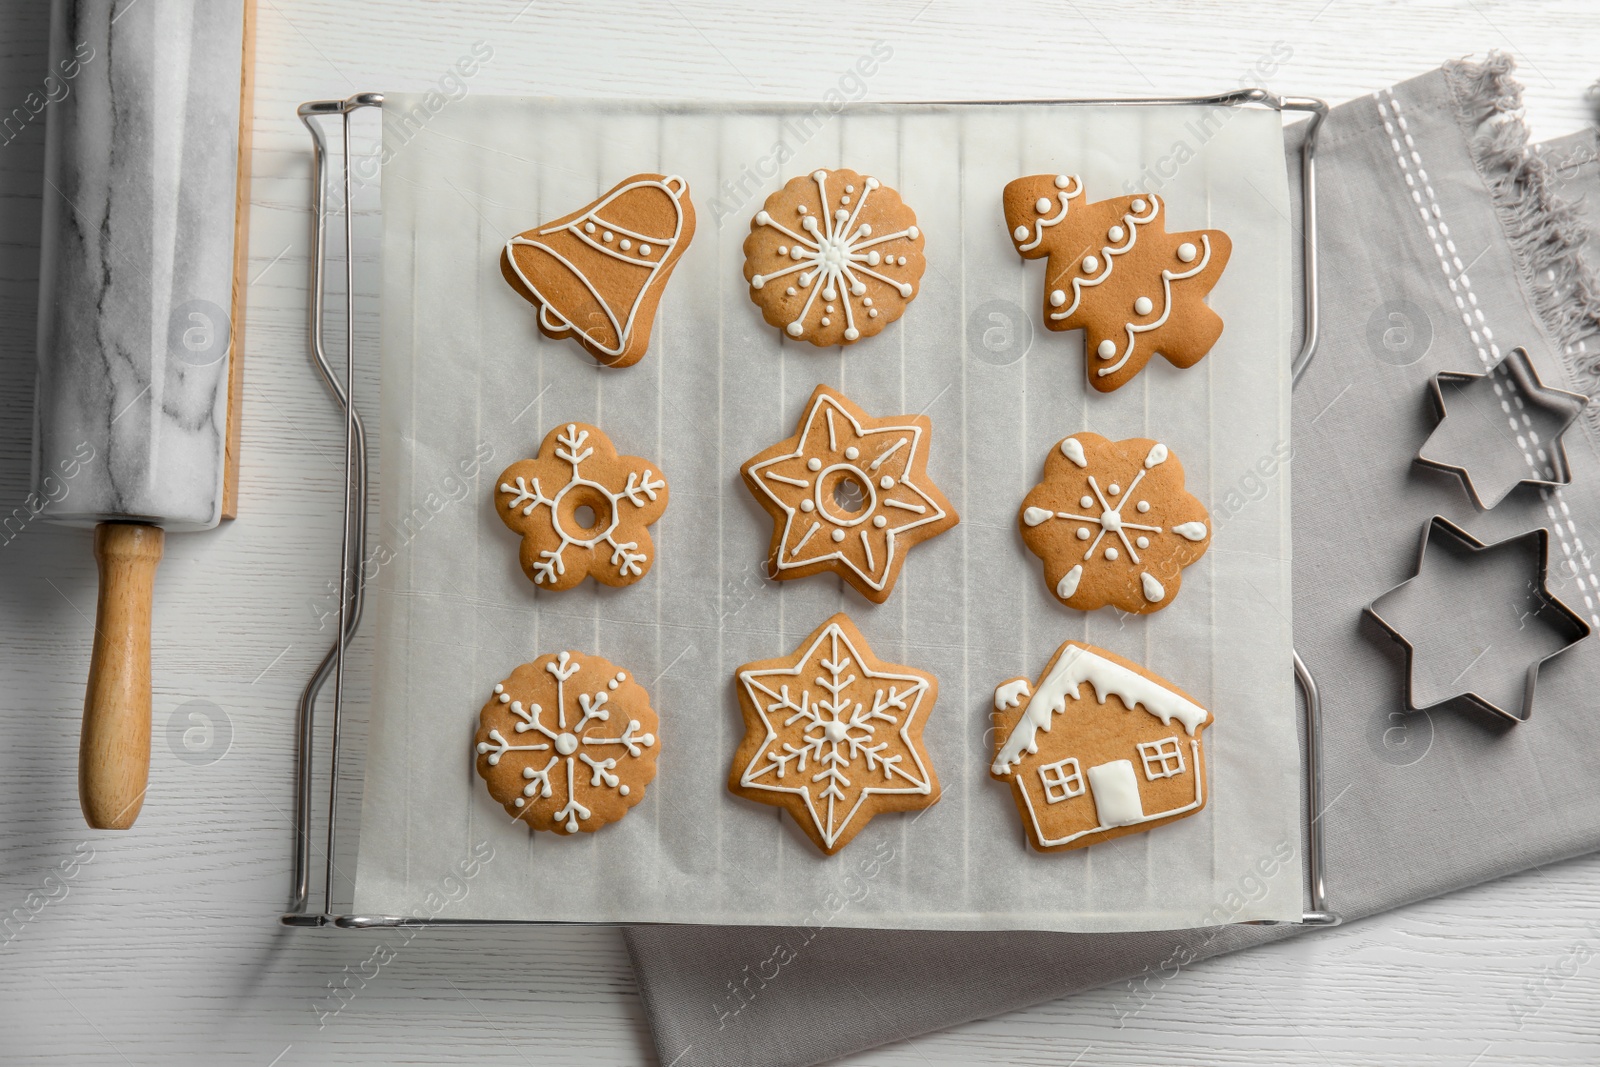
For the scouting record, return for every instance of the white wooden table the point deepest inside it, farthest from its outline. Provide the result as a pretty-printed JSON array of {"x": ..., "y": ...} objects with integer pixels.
[{"x": 163, "y": 944}]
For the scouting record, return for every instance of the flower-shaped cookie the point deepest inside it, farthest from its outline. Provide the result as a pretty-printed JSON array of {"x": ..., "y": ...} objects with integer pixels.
[
  {"x": 581, "y": 509},
  {"x": 834, "y": 735},
  {"x": 1113, "y": 523},
  {"x": 567, "y": 743},
  {"x": 833, "y": 256},
  {"x": 848, "y": 493}
]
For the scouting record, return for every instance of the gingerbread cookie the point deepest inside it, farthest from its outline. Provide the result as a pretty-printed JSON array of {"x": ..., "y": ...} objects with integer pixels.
[
  {"x": 581, "y": 509},
  {"x": 1113, "y": 523},
  {"x": 1124, "y": 757},
  {"x": 833, "y": 257},
  {"x": 833, "y": 735},
  {"x": 1115, "y": 272},
  {"x": 597, "y": 274},
  {"x": 567, "y": 743},
  {"x": 849, "y": 494}
]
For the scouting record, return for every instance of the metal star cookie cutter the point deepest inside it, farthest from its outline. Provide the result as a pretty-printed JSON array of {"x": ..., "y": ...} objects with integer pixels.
[
  {"x": 1436, "y": 624},
  {"x": 1495, "y": 434}
]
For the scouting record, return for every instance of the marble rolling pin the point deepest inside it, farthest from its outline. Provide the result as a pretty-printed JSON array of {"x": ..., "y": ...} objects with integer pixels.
[{"x": 141, "y": 282}]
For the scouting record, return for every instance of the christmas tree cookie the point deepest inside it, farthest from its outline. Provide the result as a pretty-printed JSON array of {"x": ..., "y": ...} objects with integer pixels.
[
  {"x": 1113, "y": 271},
  {"x": 833, "y": 257},
  {"x": 597, "y": 274}
]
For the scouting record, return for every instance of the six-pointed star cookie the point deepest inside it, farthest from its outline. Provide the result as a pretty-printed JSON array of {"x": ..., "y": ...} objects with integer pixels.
[
  {"x": 849, "y": 493},
  {"x": 833, "y": 735}
]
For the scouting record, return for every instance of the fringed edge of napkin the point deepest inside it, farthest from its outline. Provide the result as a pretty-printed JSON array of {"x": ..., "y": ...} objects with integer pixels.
[{"x": 1546, "y": 230}]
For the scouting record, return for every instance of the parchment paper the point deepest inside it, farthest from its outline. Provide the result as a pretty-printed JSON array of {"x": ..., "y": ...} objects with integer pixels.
[{"x": 470, "y": 386}]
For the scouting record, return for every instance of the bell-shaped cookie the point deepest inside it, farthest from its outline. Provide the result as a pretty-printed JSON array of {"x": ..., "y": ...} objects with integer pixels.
[{"x": 597, "y": 274}]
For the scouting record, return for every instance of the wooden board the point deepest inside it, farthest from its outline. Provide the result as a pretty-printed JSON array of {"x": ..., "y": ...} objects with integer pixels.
[{"x": 241, "y": 267}]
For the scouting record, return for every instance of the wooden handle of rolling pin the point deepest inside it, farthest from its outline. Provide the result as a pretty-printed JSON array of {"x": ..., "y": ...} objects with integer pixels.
[{"x": 114, "y": 751}]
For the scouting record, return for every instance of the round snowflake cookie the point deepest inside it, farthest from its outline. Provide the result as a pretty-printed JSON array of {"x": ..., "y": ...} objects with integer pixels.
[
  {"x": 1113, "y": 523},
  {"x": 832, "y": 257},
  {"x": 581, "y": 509},
  {"x": 567, "y": 743}
]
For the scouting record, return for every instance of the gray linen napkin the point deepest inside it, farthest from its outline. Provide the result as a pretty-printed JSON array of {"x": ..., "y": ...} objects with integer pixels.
[{"x": 1444, "y": 245}]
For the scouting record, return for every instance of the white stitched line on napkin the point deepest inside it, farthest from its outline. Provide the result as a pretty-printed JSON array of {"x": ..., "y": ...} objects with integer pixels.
[{"x": 1394, "y": 124}]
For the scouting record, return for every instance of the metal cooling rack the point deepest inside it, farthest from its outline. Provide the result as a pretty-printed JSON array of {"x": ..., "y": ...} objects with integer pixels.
[{"x": 353, "y": 539}]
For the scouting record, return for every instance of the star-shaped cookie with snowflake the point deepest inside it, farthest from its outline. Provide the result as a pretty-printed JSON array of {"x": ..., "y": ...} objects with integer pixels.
[
  {"x": 1113, "y": 523},
  {"x": 582, "y": 509},
  {"x": 567, "y": 743},
  {"x": 848, "y": 493},
  {"x": 833, "y": 735}
]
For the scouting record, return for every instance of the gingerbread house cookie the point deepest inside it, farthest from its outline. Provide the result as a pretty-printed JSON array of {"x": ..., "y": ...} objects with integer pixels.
[{"x": 1098, "y": 748}]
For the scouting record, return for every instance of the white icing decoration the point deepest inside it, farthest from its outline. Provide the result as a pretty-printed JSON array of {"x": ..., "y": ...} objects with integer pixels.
[
  {"x": 1063, "y": 180},
  {"x": 1111, "y": 553},
  {"x": 1106, "y": 349},
  {"x": 1144, "y": 506},
  {"x": 1068, "y": 193},
  {"x": 1020, "y": 233},
  {"x": 1138, "y": 205},
  {"x": 1034, "y": 516},
  {"x": 1044, "y": 205},
  {"x": 828, "y": 420},
  {"x": 1154, "y": 591},
  {"x": 1194, "y": 531},
  {"x": 1116, "y": 794},
  {"x": 1114, "y": 489},
  {"x": 1158, "y": 455},
  {"x": 1086, "y": 501},
  {"x": 1186, "y": 252},
  {"x": 1142, "y": 541},
  {"x": 567, "y": 739},
  {"x": 838, "y": 535},
  {"x": 1115, "y": 234},
  {"x": 1068, "y": 585},
  {"x": 1083, "y": 533},
  {"x": 675, "y": 187},
  {"x": 644, "y": 250},
  {"x": 832, "y": 253},
  {"x": 848, "y": 738},
  {"x": 626, "y": 556},
  {"x": 1072, "y": 448},
  {"x": 1090, "y": 264},
  {"x": 1009, "y": 694},
  {"x": 1057, "y": 298},
  {"x": 1143, "y": 306},
  {"x": 1074, "y": 666}
]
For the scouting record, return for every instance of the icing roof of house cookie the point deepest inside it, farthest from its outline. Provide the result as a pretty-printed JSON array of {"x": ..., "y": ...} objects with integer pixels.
[{"x": 1074, "y": 665}]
